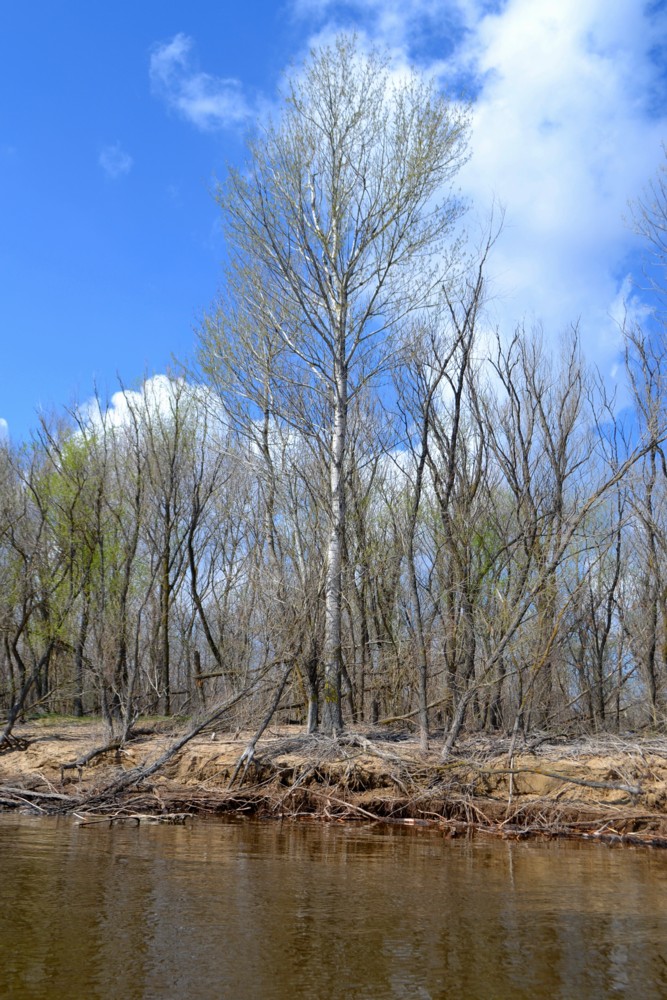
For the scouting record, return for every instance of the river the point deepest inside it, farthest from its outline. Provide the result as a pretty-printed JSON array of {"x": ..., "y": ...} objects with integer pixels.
[{"x": 262, "y": 910}]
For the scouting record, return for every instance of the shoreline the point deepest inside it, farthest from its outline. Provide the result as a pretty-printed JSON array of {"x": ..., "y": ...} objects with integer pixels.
[{"x": 606, "y": 788}]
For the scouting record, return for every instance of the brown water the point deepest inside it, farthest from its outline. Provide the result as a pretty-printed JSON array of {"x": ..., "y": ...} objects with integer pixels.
[{"x": 250, "y": 910}]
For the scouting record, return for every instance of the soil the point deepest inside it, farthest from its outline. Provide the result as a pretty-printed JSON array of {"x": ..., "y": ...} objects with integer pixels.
[{"x": 607, "y": 788}]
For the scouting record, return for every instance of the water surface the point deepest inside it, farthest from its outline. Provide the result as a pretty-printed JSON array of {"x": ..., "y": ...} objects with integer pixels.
[{"x": 252, "y": 910}]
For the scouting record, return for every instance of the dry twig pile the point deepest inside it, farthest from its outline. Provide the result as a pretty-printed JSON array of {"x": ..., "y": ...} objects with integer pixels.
[{"x": 607, "y": 788}]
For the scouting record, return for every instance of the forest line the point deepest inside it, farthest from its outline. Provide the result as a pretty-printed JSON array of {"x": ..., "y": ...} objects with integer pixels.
[{"x": 359, "y": 493}]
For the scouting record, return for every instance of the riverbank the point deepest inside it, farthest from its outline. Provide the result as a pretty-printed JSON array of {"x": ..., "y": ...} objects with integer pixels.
[{"x": 604, "y": 788}]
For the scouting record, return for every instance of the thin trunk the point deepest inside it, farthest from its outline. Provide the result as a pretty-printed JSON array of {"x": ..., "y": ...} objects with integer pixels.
[
  {"x": 653, "y": 591},
  {"x": 417, "y": 621},
  {"x": 164, "y": 626},
  {"x": 29, "y": 682},
  {"x": 196, "y": 597},
  {"x": 198, "y": 679},
  {"x": 79, "y": 657},
  {"x": 10, "y": 667}
]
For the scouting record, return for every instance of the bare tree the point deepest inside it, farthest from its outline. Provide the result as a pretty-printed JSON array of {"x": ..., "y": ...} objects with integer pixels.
[
  {"x": 437, "y": 369},
  {"x": 546, "y": 454},
  {"x": 339, "y": 205},
  {"x": 649, "y": 217},
  {"x": 645, "y": 364}
]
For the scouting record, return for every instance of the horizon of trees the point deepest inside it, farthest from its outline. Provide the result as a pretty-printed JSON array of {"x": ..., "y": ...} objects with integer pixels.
[{"x": 360, "y": 494}]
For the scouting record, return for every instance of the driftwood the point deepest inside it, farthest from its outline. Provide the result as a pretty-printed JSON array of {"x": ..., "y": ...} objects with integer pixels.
[
  {"x": 172, "y": 819},
  {"x": 31, "y": 794},
  {"x": 12, "y": 797}
]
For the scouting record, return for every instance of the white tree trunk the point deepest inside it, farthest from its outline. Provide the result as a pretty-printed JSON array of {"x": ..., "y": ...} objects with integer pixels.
[{"x": 332, "y": 720}]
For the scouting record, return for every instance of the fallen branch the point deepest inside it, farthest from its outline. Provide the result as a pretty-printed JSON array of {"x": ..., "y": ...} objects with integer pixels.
[
  {"x": 139, "y": 774},
  {"x": 249, "y": 751},
  {"x": 585, "y": 782},
  {"x": 42, "y": 802},
  {"x": 84, "y": 760},
  {"x": 346, "y": 805},
  {"x": 29, "y": 793}
]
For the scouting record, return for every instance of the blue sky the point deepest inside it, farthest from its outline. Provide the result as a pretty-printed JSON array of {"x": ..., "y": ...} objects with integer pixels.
[{"x": 115, "y": 120}]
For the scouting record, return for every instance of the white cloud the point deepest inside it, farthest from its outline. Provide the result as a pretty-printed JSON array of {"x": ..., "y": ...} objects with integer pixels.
[
  {"x": 568, "y": 118},
  {"x": 207, "y": 102},
  {"x": 115, "y": 161},
  {"x": 4, "y": 431},
  {"x": 563, "y": 134},
  {"x": 155, "y": 397},
  {"x": 156, "y": 401}
]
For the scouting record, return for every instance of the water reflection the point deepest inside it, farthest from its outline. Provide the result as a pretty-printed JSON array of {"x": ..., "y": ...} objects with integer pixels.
[{"x": 249, "y": 910}]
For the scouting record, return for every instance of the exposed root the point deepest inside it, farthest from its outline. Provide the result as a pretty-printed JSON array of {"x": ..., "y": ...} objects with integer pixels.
[
  {"x": 605, "y": 790},
  {"x": 9, "y": 743}
]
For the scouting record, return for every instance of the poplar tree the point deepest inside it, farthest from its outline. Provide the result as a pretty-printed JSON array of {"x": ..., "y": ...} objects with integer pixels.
[{"x": 345, "y": 207}]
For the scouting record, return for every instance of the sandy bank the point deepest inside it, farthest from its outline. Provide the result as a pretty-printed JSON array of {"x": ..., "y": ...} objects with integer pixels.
[{"x": 607, "y": 788}]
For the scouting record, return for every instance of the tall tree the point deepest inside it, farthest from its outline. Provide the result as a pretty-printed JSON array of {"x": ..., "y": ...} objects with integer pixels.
[{"x": 344, "y": 209}]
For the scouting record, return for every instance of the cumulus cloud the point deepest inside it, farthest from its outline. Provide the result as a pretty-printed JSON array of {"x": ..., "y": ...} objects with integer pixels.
[
  {"x": 208, "y": 102},
  {"x": 115, "y": 162},
  {"x": 568, "y": 107},
  {"x": 157, "y": 401},
  {"x": 564, "y": 132},
  {"x": 4, "y": 431},
  {"x": 156, "y": 398}
]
